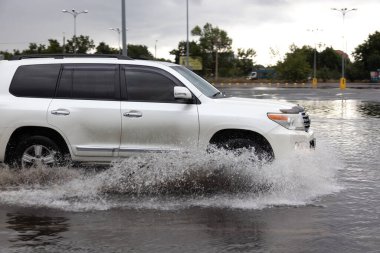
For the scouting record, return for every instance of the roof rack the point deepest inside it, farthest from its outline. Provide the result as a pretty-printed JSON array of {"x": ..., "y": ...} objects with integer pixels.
[{"x": 62, "y": 56}]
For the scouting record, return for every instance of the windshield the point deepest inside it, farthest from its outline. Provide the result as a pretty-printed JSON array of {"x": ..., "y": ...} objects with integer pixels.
[{"x": 201, "y": 84}]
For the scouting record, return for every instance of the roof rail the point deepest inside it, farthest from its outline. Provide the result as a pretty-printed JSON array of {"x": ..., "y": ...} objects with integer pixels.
[{"x": 62, "y": 56}]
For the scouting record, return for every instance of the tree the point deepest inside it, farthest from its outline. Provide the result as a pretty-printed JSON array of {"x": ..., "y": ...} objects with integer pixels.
[
  {"x": 139, "y": 52},
  {"x": 295, "y": 66},
  {"x": 368, "y": 52},
  {"x": 54, "y": 47},
  {"x": 329, "y": 64},
  {"x": 103, "y": 48},
  {"x": 213, "y": 40},
  {"x": 194, "y": 50},
  {"x": 81, "y": 43},
  {"x": 6, "y": 55},
  {"x": 244, "y": 61},
  {"x": 330, "y": 59},
  {"x": 357, "y": 71},
  {"x": 34, "y": 49}
]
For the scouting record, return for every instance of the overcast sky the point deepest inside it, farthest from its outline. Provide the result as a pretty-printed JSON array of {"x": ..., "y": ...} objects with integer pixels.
[{"x": 257, "y": 24}]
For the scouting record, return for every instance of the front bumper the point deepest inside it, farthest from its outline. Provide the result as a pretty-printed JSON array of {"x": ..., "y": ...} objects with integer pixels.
[{"x": 285, "y": 142}]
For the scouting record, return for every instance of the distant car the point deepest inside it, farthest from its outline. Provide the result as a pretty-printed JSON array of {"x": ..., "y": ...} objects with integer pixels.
[
  {"x": 252, "y": 76},
  {"x": 98, "y": 109}
]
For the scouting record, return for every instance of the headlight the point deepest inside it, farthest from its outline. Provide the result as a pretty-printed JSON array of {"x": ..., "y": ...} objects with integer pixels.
[{"x": 289, "y": 121}]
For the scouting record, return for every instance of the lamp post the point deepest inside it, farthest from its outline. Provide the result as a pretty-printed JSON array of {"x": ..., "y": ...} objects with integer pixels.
[
  {"x": 124, "y": 29},
  {"x": 315, "y": 80},
  {"x": 118, "y": 33},
  {"x": 155, "y": 50},
  {"x": 187, "y": 33},
  {"x": 344, "y": 11},
  {"x": 75, "y": 13}
]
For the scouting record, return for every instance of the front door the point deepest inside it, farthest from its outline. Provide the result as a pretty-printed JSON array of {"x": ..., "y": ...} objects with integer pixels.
[{"x": 152, "y": 120}]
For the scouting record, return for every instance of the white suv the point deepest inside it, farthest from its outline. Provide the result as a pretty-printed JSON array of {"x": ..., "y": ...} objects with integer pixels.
[{"x": 96, "y": 109}]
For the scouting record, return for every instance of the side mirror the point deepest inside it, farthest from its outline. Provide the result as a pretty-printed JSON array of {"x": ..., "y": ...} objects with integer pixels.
[{"x": 182, "y": 93}]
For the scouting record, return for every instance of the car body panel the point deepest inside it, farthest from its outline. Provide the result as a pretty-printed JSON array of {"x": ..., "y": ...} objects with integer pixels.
[
  {"x": 92, "y": 128},
  {"x": 161, "y": 127}
]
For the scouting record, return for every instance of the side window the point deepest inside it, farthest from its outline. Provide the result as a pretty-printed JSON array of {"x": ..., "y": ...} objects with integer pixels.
[
  {"x": 149, "y": 85},
  {"x": 35, "y": 80},
  {"x": 89, "y": 81}
]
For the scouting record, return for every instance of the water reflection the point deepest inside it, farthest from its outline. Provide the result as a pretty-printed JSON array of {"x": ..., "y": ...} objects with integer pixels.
[
  {"x": 236, "y": 230},
  {"x": 370, "y": 109},
  {"x": 341, "y": 109},
  {"x": 34, "y": 231}
]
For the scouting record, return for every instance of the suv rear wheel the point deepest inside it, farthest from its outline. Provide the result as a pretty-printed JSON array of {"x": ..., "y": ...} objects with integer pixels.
[{"x": 37, "y": 151}]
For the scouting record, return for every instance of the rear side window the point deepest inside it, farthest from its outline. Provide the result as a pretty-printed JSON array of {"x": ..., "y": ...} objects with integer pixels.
[
  {"x": 35, "y": 81},
  {"x": 149, "y": 85},
  {"x": 89, "y": 81}
]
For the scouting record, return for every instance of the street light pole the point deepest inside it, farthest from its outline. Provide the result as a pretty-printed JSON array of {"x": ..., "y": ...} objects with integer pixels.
[
  {"x": 75, "y": 13},
  {"x": 155, "y": 50},
  {"x": 187, "y": 33},
  {"x": 118, "y": 33},
  {"x": 344, "y": 11},
  {"x": 124, "y": 29},
  {"x": 314, "y": 81}
]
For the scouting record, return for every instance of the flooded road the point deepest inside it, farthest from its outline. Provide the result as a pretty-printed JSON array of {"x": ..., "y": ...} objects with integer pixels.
[{"x": 322, "y": 201}]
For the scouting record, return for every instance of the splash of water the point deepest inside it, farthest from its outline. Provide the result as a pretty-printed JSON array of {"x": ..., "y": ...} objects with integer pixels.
[{"x": 177, "y": 180}]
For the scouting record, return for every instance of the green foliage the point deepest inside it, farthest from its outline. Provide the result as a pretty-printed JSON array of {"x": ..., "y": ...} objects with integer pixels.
[
  {"x": 357, "y": 71},
  {"x": 6, "y": 55},
  {"x": 35, "y": 49},
  {"x": 299, "y": 63},
  {"x": 139, "y": 52},
  {"x": 194, "y": 50},
  {"x": 368, "y": 52},
  {"x": 295, "y": 66},
  {"x": 329, "y": 64},
  {"x": 330, "y": 60},
  {"x": 214, "y": 47},
  {"x": 103, "y": 48},
  {"x": 54, "y": 47},
  {"x": 213, "y": 41},
  {"x": 80, "y": 44},
  {"x": 326, "y": 74},
  {"x": 243, "y": 63}
]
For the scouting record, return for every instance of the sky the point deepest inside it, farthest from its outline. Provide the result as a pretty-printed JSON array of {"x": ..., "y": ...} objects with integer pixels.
[{"x": 264, "y": 25}]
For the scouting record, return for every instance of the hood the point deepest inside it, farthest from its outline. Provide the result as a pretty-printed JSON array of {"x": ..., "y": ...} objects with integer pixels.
[{"x": 269, "y": 104}]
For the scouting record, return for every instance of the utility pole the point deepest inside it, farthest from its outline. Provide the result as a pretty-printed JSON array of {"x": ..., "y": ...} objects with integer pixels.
[
  {"x": 315, "y": 80},
  {"x": 124, "y": 29},
  {"x": 75, "y": 13},
  {"x": 187, "y": 33},
  {"x": 155, "y": 50},
  {"x": 63, "y": 43},
  {"x": 344, "y": 11}
]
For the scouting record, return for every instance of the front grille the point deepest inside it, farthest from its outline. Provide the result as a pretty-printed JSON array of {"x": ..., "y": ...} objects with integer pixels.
[{"x": 306, "y": 121}]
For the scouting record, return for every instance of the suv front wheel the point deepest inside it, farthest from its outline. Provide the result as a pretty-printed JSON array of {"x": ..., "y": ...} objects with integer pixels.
[
  {"x": 237, "y": 144},
  {"x": 37, "y": 151}
]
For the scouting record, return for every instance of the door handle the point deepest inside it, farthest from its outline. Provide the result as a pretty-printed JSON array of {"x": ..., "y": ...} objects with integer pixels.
[
  {"x": 133, "y": 114},
  {"x": 63, "y": 112}
]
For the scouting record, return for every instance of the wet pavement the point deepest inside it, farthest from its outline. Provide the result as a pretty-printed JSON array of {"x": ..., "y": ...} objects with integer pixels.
[{"x": 322, "y": 201}]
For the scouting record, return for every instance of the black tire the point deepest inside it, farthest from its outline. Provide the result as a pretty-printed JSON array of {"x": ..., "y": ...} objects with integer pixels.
[
  {"x": 36, "y": 151},
  {"x": 238, "y": 144}
]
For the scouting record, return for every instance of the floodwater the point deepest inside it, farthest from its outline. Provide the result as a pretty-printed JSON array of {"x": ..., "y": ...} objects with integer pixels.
[{"x": 327, "y": 200}]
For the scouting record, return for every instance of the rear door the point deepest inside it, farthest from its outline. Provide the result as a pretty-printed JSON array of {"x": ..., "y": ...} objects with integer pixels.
[
  {"x": 152, "y": 120},
  {"x": 86, "y": 109}
]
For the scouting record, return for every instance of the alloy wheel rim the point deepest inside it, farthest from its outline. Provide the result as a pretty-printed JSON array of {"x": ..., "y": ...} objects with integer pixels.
[{"x": 37, "y": 156}]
